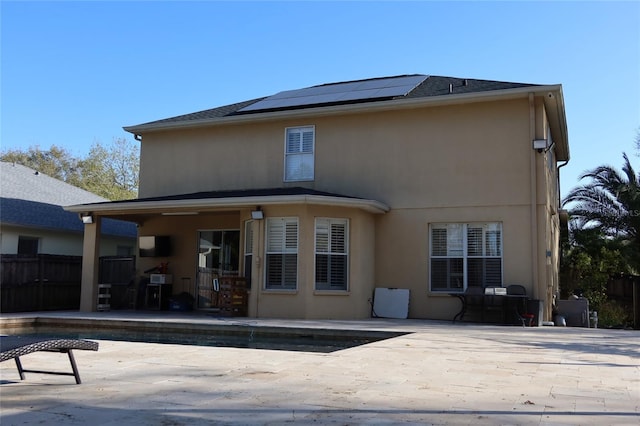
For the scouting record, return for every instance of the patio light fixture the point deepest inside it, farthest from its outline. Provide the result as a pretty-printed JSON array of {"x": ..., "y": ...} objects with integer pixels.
[
  {"x": 540, "y": 144},
  {"x": 257, "y": 214}
]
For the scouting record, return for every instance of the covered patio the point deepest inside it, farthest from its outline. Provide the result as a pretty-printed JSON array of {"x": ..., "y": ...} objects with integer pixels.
[{"x": 202, "y": 240}]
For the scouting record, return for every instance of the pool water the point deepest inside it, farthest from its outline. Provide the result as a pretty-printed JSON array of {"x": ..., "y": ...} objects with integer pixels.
[{"x": 251, "y": 339}]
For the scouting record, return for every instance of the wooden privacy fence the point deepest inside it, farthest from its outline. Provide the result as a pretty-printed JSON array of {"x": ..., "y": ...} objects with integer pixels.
[
  {"x": 48, "y": 282},
  {"x": 625, "y": 290},
  {"x": 39, "y": 283},
  {"x": 119, "y": 271}
]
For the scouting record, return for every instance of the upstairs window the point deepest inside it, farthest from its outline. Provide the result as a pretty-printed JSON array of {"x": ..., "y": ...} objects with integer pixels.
[
  {"x": 332, "y": 254},
  {"x": 299, "y": 154}
]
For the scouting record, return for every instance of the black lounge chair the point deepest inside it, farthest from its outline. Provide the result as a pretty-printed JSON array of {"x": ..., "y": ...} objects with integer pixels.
[{"x": 13, "y": 347}]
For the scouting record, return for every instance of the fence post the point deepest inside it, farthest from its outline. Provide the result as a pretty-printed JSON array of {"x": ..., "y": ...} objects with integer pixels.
[{"x": 635, "y": 294}]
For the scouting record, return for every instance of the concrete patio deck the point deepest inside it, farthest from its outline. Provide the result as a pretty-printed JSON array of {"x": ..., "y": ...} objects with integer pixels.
[{"x": 440, "y": 373}]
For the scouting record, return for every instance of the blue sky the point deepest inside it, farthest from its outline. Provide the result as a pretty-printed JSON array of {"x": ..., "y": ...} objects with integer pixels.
[{"x": 73, "y": 73}]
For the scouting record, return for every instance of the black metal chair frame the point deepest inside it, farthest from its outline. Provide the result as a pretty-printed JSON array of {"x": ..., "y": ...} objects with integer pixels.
[
  {"x": 516, "y": 290},
  {"x": 13, "y": 347}
]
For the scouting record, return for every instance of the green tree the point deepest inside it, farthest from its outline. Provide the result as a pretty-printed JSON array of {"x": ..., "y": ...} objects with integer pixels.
[
  {"x": 109, "y": 171},
  {"x": 610, "y": 205},
  {"x": 589, "y": 260},
  {"x": 604, "y": 237},
  {"x": 113, "y": 171},
  {"x": 56, "y": 162}
]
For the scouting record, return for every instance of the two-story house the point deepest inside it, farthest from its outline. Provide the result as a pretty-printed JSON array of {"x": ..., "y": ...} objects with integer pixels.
[{"x": 320, "y": 195}]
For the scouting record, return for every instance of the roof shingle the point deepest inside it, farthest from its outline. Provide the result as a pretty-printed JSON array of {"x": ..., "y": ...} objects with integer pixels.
[
  {"x": 33, "y": 199},
  {"x": 430, "y": 87}
]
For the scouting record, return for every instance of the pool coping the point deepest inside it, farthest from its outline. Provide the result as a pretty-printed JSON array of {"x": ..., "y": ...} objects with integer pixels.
[{"x": 199, "y": 324}]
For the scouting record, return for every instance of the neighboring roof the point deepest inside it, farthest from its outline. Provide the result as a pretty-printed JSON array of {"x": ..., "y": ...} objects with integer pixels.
[
  {"x": 431, "y": 89},
  {"x": 23, "y": 183},
  {"x": 32, "y": 199},
  {"x": 212, "y": 200}
]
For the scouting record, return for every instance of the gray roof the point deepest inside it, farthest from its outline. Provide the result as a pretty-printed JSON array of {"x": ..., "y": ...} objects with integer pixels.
[
  {"x": 432, "y": 86},
  {"x": 32, "y": 199},
  {"x": 242, "y": 193},
  {"x": 229, "y": 198}
]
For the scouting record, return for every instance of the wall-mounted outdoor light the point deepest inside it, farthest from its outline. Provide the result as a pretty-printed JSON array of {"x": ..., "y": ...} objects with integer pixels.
[
  {"x": 540, "y": 144},
  {"x": 257, "y": 214},
  {"x": 86, "y": 218}
]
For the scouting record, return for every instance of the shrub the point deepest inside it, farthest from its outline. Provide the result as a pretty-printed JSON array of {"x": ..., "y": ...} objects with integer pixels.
[{"x": 613, "y": 315}]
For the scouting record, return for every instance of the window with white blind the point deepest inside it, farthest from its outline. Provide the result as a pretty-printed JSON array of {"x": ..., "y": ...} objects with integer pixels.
[
  {"x": 248, "y": 251},
  {"x": 282, "y": 254},
  {"x": 332, "y": 254},
  {"x": 465, "y": 255},
  {"x": 299, "y": 154}
]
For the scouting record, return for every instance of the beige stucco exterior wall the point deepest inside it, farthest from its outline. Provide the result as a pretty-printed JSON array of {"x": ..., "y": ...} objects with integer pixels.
[
  {"x": 548, "y": 202},
  {"x": 397, "y": 157},
  {"x": 459, "y": 163},
  {"x": 306, "y": 302},
  {"x": 402, "y": 252}
]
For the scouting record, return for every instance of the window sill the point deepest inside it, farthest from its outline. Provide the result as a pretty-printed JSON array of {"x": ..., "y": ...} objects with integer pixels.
[
  {"x": 273, "y": 291},
  {"x": 444, "y": 293},
  {"x": 298, "y": 180},
  {"x": 331, "y": 293}
]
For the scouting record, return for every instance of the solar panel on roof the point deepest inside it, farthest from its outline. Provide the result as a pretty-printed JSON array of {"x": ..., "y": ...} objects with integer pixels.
[{"x": 339, "y": 92}]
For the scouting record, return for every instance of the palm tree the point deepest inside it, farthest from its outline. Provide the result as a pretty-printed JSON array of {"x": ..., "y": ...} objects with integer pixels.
[{"x": 610, "y": 204}]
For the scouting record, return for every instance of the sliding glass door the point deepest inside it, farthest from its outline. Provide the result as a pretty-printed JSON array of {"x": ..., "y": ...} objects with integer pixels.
[{"x": 218, "y": 255}]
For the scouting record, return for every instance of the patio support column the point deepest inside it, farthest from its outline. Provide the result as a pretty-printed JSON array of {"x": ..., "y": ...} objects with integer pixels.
[
  {"x": 257, "y": 268},
  {"x": 90, "y": 258}
]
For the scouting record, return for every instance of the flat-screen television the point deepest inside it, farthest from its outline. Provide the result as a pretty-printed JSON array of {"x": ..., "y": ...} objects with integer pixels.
[{"x": 154, "y": 246}]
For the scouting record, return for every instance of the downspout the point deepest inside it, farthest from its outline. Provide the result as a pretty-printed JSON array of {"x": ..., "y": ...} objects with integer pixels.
[
  {"x": 558, "y": 178},
  {"x": 533, "y": 201},
  {"x": 560, "y": 253}
]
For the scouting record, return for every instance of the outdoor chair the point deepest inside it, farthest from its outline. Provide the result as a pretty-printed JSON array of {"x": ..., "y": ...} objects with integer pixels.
[
  {"x": 493, "y": 309},
  {"x": 521, "y": 315},
  {"x": 13, "y": 347},
  {"x": 471, "y": 300}
]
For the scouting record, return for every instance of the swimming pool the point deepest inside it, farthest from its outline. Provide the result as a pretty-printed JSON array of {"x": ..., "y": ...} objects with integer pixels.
[{"x": 250, "y": 337}]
